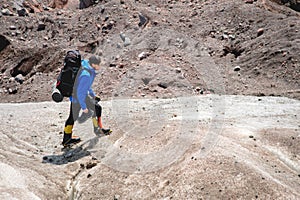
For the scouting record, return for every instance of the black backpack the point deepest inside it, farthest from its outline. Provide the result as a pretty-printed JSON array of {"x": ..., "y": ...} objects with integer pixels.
[{"x": 67, "y": 77}]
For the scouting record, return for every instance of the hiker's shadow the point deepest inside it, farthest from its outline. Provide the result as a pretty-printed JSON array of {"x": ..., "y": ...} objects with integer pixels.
[{"x": 72, "y": 154}]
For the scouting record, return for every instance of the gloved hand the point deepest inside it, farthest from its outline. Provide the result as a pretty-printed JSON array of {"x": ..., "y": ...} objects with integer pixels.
[{"x": 97, "y": 98}]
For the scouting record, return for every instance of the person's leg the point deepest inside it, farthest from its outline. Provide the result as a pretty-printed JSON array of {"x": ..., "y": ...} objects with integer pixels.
[
  {"x": 94, "y": 107},
  {"x": 73, "y": 115},
  {"x": 96, "y": 118}
]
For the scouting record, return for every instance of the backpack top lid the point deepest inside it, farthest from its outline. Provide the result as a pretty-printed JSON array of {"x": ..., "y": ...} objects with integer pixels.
[{"x": 73, "y": 59}]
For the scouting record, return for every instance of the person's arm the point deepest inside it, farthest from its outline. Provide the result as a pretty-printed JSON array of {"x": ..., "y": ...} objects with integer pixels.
[
  {"x": 92, "y": 93},
  {"x": 82, "y": 91}
]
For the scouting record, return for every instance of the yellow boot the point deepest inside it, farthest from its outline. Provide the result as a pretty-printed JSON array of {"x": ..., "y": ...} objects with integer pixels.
[{"x": 68, "y": 139}]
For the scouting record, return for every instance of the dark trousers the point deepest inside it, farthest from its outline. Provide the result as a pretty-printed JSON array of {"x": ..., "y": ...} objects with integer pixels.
[{"x": 75, "y": 108}]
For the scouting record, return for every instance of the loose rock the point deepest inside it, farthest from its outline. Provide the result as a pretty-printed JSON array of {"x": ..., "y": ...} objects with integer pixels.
[
  {"x": 178, "y": 70},
  {"x": 127, "y": 42},
  {"x": 163, "y": 85},
  {"x": 12, "y": 91},
  {"x": 237, "y": 68},
  {"x": 249, "y": 1},
  {"x": 22, "y": 12},
  {"x": 41, "y": 26},
  {"x": 19, "y": 78},
  {"x": 90, "y": 165},
  {"x": 12, "y": 27},
  {"x": 122, "y": 36},
  {"x": 4, "y": 42},
  {"x": 260, "y": 32},
  {"x": 143, "y": 20},
  {"x": 143, "y": 55},
  {"x": 11, "y": 79},
  {"x": 117, "y": 197},
  {"x": 6, "y": 12}
]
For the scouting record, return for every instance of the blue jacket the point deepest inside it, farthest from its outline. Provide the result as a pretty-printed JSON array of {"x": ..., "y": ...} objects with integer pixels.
[{"x": 84, "y": 84}]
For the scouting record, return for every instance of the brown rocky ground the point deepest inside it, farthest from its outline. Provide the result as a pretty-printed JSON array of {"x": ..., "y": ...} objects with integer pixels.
[
  {"x": 253, "y": 47},
  {"x": 171, "y": 139}
]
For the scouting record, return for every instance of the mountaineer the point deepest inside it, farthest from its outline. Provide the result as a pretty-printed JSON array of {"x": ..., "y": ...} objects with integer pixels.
[{"x": 84, "y": 99}]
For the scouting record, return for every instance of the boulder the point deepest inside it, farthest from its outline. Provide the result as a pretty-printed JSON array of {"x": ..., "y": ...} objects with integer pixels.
[
  {"x": 143, "y": 20},
  {"x": 85, "y": 4},
  {"x": 6, "y": 12},
  {"x": 260, "y": 32},
  {"x": 4, "y": 42}
]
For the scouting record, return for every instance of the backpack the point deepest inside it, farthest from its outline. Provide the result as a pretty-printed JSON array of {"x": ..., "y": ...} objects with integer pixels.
[{"x": 67, "y": 77}]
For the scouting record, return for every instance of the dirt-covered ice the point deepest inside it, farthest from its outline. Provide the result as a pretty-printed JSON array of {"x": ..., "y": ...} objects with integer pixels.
[{"x": 182, "y": 148}]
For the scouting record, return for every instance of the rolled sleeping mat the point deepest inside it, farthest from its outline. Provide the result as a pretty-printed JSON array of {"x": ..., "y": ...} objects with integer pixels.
[{"x": 56, "y": 95}]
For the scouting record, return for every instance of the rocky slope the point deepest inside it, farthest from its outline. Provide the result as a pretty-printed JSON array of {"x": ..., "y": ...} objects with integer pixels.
[
  {"x": 167, "y": 48},
  {"x": 167, "y": 67}
]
